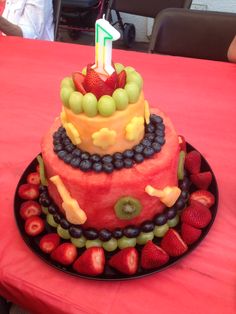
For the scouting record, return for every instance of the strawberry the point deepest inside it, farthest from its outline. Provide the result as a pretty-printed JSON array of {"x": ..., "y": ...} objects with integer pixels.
[
  {"x": 94, "y": 84},
  {"x": 38, "y": 168},
  {"x": 78, "y": 79},
  {"x": 64, "y": 254},
  {"x": 202, "y": 180},
  {"x": 173, "y": 244},
  {"x": 189, "y": 233},
  {"x": 29, "y": 209},
  {"x": 91, "y": 262},
  {"x": 196, "y": 215},
  {"x": 34, "y": 226},
  {"x": 204, "y": 197},
  {"x": 153, "y": 256},
  {"x": 112, "y": 80},
  {"x": 182, "y": 143},
  {"x": 33, "y": 178},
  {"x": 193, "y": 162},
  {"x": 121, "y": 79},
  {"x": 28, "y": 191},
  {"x": 49, "y": 242},
  {"x": 125, "y": 261}
]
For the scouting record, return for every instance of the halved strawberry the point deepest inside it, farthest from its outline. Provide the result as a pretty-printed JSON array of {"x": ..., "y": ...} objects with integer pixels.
[
  {"x": 125, "y": 261},
  {"x": 153, "y": 256},
  {"x": 33, "y": 178},
  {"x": 28, "y": 191},
  {"x": 121, "y": 79},
  {"x": 182, "y": 143},
  {"x": 189, "y": 233},
  {"x": 78, "y": 79},
  {"x": 49, "y": 242},
  {"x": 196, "y": 215},
  {"x": 29, "y": 209},
  {"x": 34, "y": 226},
  {"x": 204, "y": 197},
  {"x": 91, "y": 262},
  {"x": 202, "y": 180},
  {"x": 94, "y": 84},
  {"x": 112, "y": 80},
  {"x": 193, "y": 162},
  {"x": 173, "y": 244},
  {"x": 64, "y": 254}
]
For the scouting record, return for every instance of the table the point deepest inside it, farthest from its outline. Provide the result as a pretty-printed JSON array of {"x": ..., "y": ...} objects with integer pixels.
[{"x": 200, "y": 97}]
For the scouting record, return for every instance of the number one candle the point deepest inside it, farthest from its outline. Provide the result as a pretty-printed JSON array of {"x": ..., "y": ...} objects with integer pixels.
[{"x": 105, "y": 33}]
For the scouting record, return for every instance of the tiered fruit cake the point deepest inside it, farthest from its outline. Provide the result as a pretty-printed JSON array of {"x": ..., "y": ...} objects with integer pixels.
[{"x": 113, "y": 180}]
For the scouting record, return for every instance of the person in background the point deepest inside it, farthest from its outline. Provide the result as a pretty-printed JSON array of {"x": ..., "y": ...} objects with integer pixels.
[
  {"x": 28, "y": 18},
  {"x": 232, "y": 51}
]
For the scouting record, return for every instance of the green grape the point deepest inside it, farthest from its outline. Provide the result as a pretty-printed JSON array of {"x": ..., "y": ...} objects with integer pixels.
[
  {"x": 51, "y": 221},
  {"x": 121, "y": 98},
  {"x": 136, "y": 78},
  {"x": 84, "y": 71},
  {"x": 63, "y": 233},
  {"x": 119, "y": 67},
  {"x": 78, "y": 242},
  {"x": 173, "y": 222},
  {"x": 133, "y": 92},
  {"x": 67, "y": 82},
  {"x": 75, "y": 102},
  {"x": 44, "y": 210},
  {"x": 106, "y": 106},
  {"x": 65, "y": 95},
  {"x": 89, "y": 105},
  {"x": 110, "y": 245},
  {"x": 126, "y": 242},
  {"x": 91, "y": 243},
  {"x": 129, "y": 69},
  {"x": 160, "y": 231},
  {"x": 144, "y": 237}
]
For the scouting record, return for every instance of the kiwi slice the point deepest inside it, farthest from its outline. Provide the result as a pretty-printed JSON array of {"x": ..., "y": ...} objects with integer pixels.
[
  {"x": 127, "y": 207},
  {"x": 181, "y": 165}
]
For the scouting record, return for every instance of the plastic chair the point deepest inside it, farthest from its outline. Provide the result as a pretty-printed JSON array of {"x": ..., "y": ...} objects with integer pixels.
[{"x": 193, "y": 33}]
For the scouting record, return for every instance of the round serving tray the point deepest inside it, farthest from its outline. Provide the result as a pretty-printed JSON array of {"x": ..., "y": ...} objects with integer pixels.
[{"x": 109, "y": 273}]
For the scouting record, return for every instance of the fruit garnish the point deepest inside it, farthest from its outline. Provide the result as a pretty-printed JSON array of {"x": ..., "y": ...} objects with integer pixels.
[
  {"x": 133, "y": 92},
  {"x": 104, "y": 138},
  {"x": 75, "y": 102},
  {"x": 173, "y": 244},
  {"x": 42, "y": 170},
  {"x": 63, "y": 233},
  {"x": 29, "y": 209},
  {"x": 50, "y": 220},
  {"x": 189, "y": 233},
  {"x": 110, "y": 245},
  {"x": 146, "y": 112},
  {"x": 144, "y": 237},
  {"x": 91, "y": 262},
  {"x": 125, "y": 242},
  {"x": 202, "y": 180},
  {"x": 93, "y": 243},
  {"x": 160, "y": 231},
  {"x": 136, "y": 78},
  {"x": 121, "y": 99},
  {"x": 72, "y": 133},
  {"x": 134, "y": 129},
  {"x": 127, "y": 207},
  {"x": 180, "y": 171},
  {"x": 33, "y": 178},
  {"x": 168, "y": 195},
  {"x": 78, "y": 79},
  {"x": 153, "y": 256},
  {"x": 49, "y": 242},
  {"x": 182, "y": 143},
  {"x": 204, "y": 197},
  {"x": 106, "y": 106},
  {"x": 112, "y": 80},
  {"x": 64, "y": 254},
  {"x": 121, "y": 79},
  {"x": 193, "y": 162},
  {"x": 196, "y": 215},
  {"x": 28, "y": 191},
  {"x": 34, "y": 226},
  {"x": 125, "y": 261},
  {"x": 89, "y": 105}
]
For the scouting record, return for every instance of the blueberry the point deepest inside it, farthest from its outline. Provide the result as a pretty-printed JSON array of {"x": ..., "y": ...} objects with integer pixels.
[
  {"x": 131, "y": 231},
  {"x": 69, "y": 148},
  {"x": 85, "y": 156},
  {"x": 150, "y": 128},
  {"x": 160, "y": 140},
  {"x": 146, "y": 143},
  {"x": 148, "y": 151},
  {"x": 155, "y": 119},
  {"x": 180, "y": 203},
  {"x": 150, "y": 136},
  {"x": 161, "y": 127},
  {"x": 128, "y": 153},
  {"x": 56, "y": 135},
  {"x": 42, "y": 189},
  {"x": 160, "y": 219},
  {"x": 185, "y": 184},
  {"x": 128, "y": 163},
  {"x": 52, "y": 209},
  {"x": 118, "y": 156},
  {"x": 91, "y": 234},
  {"x": 57, "y": 218},
  {"x": 67, "y": 141},
  {"x": 57, "y": 148},
  {"x": 64, "y": 224},
  {"x": 75, "y": 232},
  {"x": 156, "y": 147},
  {"x": 97, "y": 166},
  {"x": 107, "y": 159},
  {"x": 147, "y": 226},
  {"x": 117, "y": 233},
  {"x": 184, "y": 194},
  {"x": 61, "y": 129},
  {"x": 119, "y": 164},
  {"x": 62, "y": 154},
  {"x": 95, "y": 158},
  {"x": 138, "y": 148},
  {"x": 160, "y": 132},
  {"x": 64, "y": 135},
  {"x": 76, "y": 152},
  {"x": 56, "y": 141},
  {"x": 105, "y": 235},
  {"x": 85, "y": 165},
  {"x": 138, "y": 158},
  {"x": 108, "y": 168},
  {"x": 75, "y": 162},
  {"x": 171, "y": 212},
  {"x": 67, "y": 158}
]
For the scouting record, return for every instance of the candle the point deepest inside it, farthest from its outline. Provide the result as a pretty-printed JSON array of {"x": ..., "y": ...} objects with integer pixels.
[{"x": 105, "y": 33}]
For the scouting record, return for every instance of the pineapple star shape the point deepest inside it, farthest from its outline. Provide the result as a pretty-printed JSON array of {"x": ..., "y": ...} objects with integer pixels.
[{"x": 104, "y": 138}]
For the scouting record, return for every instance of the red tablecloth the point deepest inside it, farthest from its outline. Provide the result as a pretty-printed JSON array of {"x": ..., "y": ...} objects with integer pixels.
[{"x": 200, "y": 98}]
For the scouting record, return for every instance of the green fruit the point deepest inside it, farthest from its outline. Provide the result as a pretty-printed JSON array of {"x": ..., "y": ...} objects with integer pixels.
[
  {"x": 91, "y": 243},
  {"x": 44, "y": 210},
  {"x": 43, "y": 179},
  {"x": 127, "y": 207},
  {"x": 121, "y": 98},
  {"x": 119, "y": 67},
  {"x": 65, "y": 95},
  {"x": 133, "y": 92},
  {"x": 84, "y": 71},
  {"x": 51, "y": 221},
  {"x": 63, "y": 233},
  {"x": 181, "y": 165},
  {"x": 160, "y": 231},
  {"x": 129, "y": 69},
  {"x": 126, "y": 242},
  {"x": 143, "y": 237},
  {"x": 173, "y": 222},
  {"x": 89, "y": 104},
  {"x": 136, "y": 78},
  {"x": 67, "y": 82},
  {"x": 75, "y": 102},
  {"x": 78, "y": 242},
  {"x": 110, "y": 245},
  {"x": 106, "y": 106}
]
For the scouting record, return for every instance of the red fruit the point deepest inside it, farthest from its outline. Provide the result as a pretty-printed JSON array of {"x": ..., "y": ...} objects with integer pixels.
[
  {"x": 202, "y": 180},
  {"x": 189, "y": 233},
  {"x": 94, "y": 84},
  {"x": 33, "y": 178},
  {"x": 29, "y": 209},
  {"x": 34, "y": 226},
  {"x": 121, "y": 79},
  {"x": 193, "y": 162},
  {"x": 49, "y": 242},
  {"x": 28, "y": 191},
  {"x": 196, "y": 215},
  {"x": 91, "y": 262},
  {"x": 204, "y": 197},
  {"x": 125, "y": 261},
  {"x": 182, "y": 143},
  {"x": 78, "y": 79},
  {"x": 153, "y": 256},
  {"x": 173, "y": 244},
  {"x": 64, "y": 254},
  {"x": 112, "y": 80},
  {"x": 38, "y": 168}
]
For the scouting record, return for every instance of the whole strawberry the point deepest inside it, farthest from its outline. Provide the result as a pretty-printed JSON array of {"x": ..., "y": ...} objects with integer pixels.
[
  {"x": 193, "y": 162},
  {"x": 153, "y": 256},
  {"x": 173, "y": 244},
  {"x": 196, "y": 215}
]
